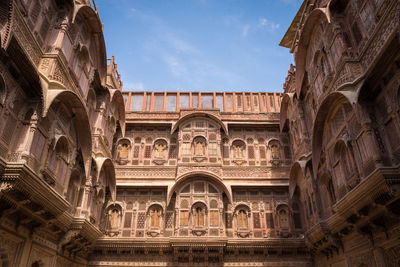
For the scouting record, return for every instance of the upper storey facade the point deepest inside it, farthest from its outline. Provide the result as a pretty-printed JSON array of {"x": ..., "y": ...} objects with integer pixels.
[
  {"x": 61, "y": 106},
  {"x": 341, "y": 105},
  {"x": 213, "y": 131}
]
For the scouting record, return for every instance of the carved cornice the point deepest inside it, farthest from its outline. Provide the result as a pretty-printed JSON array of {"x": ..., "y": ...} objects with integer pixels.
[{"x": 22, "y": 178}]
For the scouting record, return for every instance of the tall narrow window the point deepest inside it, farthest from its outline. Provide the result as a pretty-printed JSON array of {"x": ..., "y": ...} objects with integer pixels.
[
  {"x": 38, "y": 144},
  {"x": 184, "y": 100},
  {"x": 185, "y": 149},
  {"x": 214, "y": 218},
  {"x": 262, "y": 152},
  {"x": 250, "y": 151},
  {"x": 239, "y": 102},
  {"x": 256, "y": 220},
  {"x": 283, "y": 219},
  {"x": 248, "y": 102},
  {"x": 220, "y": 102},
  {"x": 271, "y": 100},
  {"x": 147, "y": 151},
  {"x": 195, "y": 98},
  {"x": 184, "y": 218},
  {"x": 264, "y": 100},
  {"x": 207, "y": 100},
  {"x": 212, "y": 149},
  {"x": 171, "y": 103},
  {"x": 255, "y": 102},
  {"x": 173, "y": 151},
  {"x": 137, "y": 100},
  {"x": 136, "y": 149},
  {"x": 159, "y": 102},
  {"x": 242, "y": 219},
  {"x": 229, "y": 102},
  {"x": 148, "y": 102},
  {"x": 199, "y": 216}
]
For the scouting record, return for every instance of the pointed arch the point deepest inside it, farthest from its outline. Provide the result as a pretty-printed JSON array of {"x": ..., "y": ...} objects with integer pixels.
[
  {"x": 93, "y": 20},
  {"x": 106, "y": 165},
  {"x": 117, "y": 100},
  {"x": 286, "y": 102},
  {"x": 317, "y": 15},
  {"x": 298, "y": 166},
  {"x": 199, "y": 174},
  {"x": 80, "y": 116},
  {"x": 330, "y": 102},
  {"x": 199, "y": 114}
]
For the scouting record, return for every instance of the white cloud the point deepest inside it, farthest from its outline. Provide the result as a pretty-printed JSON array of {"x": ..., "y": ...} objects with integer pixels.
[
  {"x": 270, "y": 25},
  {"x": 175, "y": 66},
  {"x": 180, "y": 45},
  {"x": 245, "y": 30}
]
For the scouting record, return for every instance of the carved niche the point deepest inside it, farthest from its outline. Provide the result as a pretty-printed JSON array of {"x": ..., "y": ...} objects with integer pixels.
[
  {"x": 160, "y": 152},
  {"x": 199, "y": 149}
]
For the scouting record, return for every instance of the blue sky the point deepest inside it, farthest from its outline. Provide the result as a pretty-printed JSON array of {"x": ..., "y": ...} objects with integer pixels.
[{"x": 199, "y": 45}]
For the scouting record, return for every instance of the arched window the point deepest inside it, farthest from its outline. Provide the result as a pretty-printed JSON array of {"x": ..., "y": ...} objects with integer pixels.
[
  {"x": 199, "y": 214},
  {"x": 238, "y": 148},
  {"x": 114, "y": 217},
  {"x": 58, "y": 161},
  {"x": 242, "y": 219},
  {"x": 283, "y": 219},
  {"x": 199, "y": 146},
  {"x": 74, "y": 188},
  {"x": 344, "y": 164},
  {"x": 155, "y": 215},
  {"x": 124, "y": 150},
  {"x": 274, "y": 152},
  {"x": 160, "y": 149}
]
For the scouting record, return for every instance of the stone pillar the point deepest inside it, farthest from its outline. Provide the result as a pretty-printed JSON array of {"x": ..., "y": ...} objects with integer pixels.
[{"x": 61, "y": 35}]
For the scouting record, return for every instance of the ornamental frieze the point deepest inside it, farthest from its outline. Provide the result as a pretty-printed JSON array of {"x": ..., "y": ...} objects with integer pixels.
[
  {"x": 389, "y": 26},
  {"x": 348, "y": 73},
  {"x": 254, "y": 172},
  {"x": 25, "y": 38},
  {"x": 137, "y": 173},
  {"x": 188, "y": 169}
]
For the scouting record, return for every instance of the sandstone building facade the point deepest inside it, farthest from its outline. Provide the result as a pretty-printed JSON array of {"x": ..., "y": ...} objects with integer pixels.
[
  {"x": 93, "y": 176},
  {"x": 341, "y": 110}
]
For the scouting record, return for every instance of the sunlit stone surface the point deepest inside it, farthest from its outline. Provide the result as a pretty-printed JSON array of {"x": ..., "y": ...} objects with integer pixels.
[{"x": 93, "y": 176}]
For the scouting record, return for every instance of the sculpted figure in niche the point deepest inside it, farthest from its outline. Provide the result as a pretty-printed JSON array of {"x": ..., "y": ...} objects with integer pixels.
[
  {"x": 160, "y": 150},
  {"x": 242, "y": 219},
  {"x": 199, "y": 148},
  {"x": 114, "y": 219},
  {"x": 123, "y": 151},
  {"x": 155, "y": 218},
  {"x": 238, "y": 151}
]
